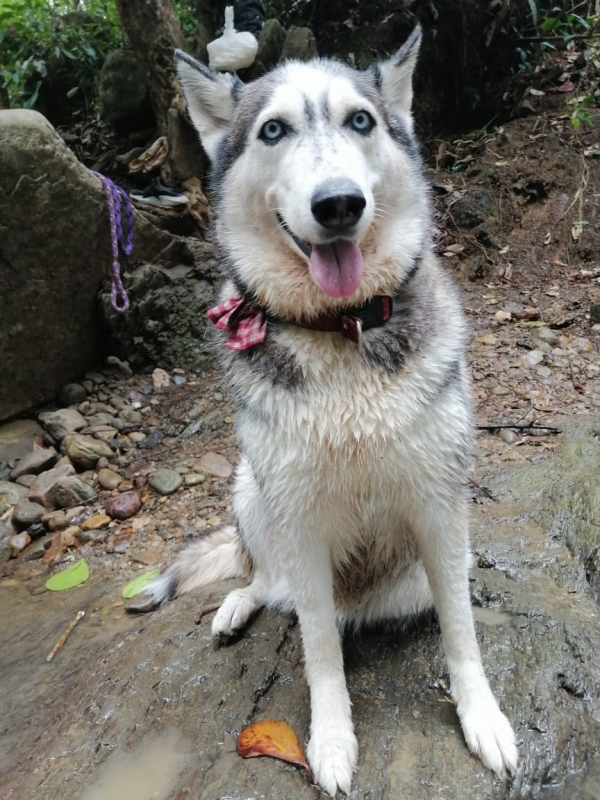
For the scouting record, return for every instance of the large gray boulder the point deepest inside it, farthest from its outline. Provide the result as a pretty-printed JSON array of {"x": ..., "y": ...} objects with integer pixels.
[{"x": 55, "y": 252}]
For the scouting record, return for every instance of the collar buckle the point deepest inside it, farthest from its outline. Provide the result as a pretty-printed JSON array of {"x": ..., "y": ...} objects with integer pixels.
[{"x": 351, "y": 328}]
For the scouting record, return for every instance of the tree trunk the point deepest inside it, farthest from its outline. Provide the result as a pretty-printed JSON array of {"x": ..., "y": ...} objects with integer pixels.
[{"x": 154, "y": 33}]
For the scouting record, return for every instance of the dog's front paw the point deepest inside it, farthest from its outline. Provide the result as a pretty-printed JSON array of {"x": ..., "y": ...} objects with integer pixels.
[
  {"x": 332, "y": 754},
  {"x": 490, "y": 737}
]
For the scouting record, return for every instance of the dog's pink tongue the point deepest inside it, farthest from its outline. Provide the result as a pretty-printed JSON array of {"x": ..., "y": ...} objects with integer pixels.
[{"x": 337, "y": 267}]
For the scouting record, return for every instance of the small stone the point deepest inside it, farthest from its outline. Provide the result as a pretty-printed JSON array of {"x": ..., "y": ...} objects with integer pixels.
[
  {"x": 17, "y": 438},
  {"x": 85, "y": 450},
  {"x": 194, "y": 478},
  {"x": 71, "y": 491},
  {"x": 213, "y": 521},
  {"x": 88, "y": 386},
  {"x": 581, "y": 345},
  {"x": 179, "y": 380},
  {"x": 508, "y": 436},
  {"x": 94, "y": 537},
  {"x": 68, "y": 537},
  {"x": 595, "y": 313},
  {"x": 531, "y": 358},
  {"x": 96, "y": 377},
  {"x": 137, "y": 436},
  {"x": 160, "y": 378},
  {"x": 107, "y": 436},
  {"x": 124, "y": 506},
  {"x": 215, "y": 464},
  {"x": 102, "y": 463},
  {"x": 72, "y": 394},
  {"x": 10, "y": 495},
  {"x": 592, "y": 371},
  {"x": 544, "y": 372},
  {"x": 165, "y": 481},
  {"x": 147, "y": 557},
  {"x": 18, "y": 542},
  {"x": 108, "y": 479},
  {"x": 95, "y": 523},
  {"x": 60, "y": 423},
  {"x": 56, "y": 520},
  {"x": 35, "y": 462},
  {"x": 546, "y": 335},
  {"x": 27, "y": 513}
]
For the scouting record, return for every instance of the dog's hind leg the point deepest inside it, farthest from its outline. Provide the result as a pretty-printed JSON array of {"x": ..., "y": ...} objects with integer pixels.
[{"x": 441, "y": 529}]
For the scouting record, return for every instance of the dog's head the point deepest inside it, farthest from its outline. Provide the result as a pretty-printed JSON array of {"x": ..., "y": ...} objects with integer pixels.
[{"x": 317, "y": 178}]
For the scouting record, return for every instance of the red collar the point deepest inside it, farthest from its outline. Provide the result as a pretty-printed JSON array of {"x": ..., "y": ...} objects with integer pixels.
[{"x": 247, "y": 323}]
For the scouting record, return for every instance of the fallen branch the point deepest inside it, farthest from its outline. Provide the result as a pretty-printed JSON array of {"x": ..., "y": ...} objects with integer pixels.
[
  {"x": 63, "y": 638},
  {"x": 533, "y": 427},
  {"x": 483, "y": 490}
]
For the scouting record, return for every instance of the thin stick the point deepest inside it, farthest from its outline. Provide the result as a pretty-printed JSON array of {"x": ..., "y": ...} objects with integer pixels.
[
  {"x": 483, "y": 490},
  {"x": 63, "y": 638},
  {"x": 532, "y": 427}
]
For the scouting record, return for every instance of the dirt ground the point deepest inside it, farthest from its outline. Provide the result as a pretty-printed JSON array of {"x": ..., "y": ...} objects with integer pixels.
[{"x": 519, "y": 227}]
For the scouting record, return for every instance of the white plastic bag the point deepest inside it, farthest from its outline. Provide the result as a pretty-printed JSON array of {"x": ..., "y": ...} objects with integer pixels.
[{"x": 232, "y": 50}]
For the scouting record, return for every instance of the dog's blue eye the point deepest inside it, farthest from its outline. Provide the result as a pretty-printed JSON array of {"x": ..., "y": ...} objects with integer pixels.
[
  {"x": 272, "y": 131},
  {"x": 361, "y": 122}
]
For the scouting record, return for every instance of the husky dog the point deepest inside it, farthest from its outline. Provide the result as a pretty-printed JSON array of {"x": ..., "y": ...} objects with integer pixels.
[{"x": 343, "y": 341}]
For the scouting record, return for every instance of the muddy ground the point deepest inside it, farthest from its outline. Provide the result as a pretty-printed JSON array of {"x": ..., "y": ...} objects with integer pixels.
[{"x": 137, "y": 707}]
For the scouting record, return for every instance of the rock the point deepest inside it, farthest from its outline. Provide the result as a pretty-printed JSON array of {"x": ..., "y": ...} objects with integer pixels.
[
  {"x": 108, "y": 479},
  {"x": 102, "y": 463},
  {"x": 72, "y": 394},
  {"x": 18, "y": 542},
  {"x": 17, "y": 437},
  {"x": 10, "y": 495},
  {"x": 165, "y": 481},
  {"x": 137, "y": 436},
  {"x": 47, "y": 338},
  {"x": 85, "y": 450},
  {"x": 43, "y": 484},
  {"x": 122, "y": 92},
  {"x": 35, "y": 462},
  {"x": 93, "y": 536},
  {"x": 472, "y": 208},
  {"x": 123, "y": 506},
  {"x": 194, "y": 478},
  {"x": 71, "y": 491},
  {"x": 60, "y": 423},
  {"x": 531, "y": 359},
  {"x": 147, "y": 557},
  {"x": 160, "y": 378},
  {"x": 508, "y": 436},
  {"x": 68, "y": 537},
  {"x": 299, "y": 44},
  {"x": 215, "y": 464},
  {"x": 26, "y": 513},
  {"x": 25, "y": 480},
  {"x": 595, "y": 313},
  {"x": 546, "y": 335},
  {"x": 270, "y": 44},
  {"x": 95, "y": 523}
]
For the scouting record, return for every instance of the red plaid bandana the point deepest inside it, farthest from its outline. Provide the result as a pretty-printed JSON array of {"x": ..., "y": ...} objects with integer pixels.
[{"x": 247, "y": 324}]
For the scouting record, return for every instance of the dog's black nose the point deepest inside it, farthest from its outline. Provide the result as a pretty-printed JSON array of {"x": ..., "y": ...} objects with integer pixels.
[{"x": 338, "y": 205}]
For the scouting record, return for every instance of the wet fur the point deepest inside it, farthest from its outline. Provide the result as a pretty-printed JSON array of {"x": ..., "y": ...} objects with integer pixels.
[{"x": 348, "y": 497}]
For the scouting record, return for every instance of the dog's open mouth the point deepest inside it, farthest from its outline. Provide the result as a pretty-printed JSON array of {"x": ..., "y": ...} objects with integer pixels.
[{"x": 337, "y": 266}]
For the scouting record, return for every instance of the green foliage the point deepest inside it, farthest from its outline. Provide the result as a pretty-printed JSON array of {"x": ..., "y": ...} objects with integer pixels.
[{"x": 42, "y": 38}]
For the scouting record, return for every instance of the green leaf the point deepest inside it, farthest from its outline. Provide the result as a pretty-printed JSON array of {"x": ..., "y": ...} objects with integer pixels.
[
  {"x": 138, "y": 584},
  {"x": 72, "y": 92},
  {"x": 534, "y": 11},
  {"x": 67, "y": 578}
]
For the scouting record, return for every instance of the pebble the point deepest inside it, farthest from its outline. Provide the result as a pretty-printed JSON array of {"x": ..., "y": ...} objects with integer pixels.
[
  {"x": 95, "y": 523},
  {"x": 94, "y": 537},
  {"x": 85, "y": 450},
  {"x": 194, "y": 478},
  {"x": 60, "y": 423},
  {"x": 581, "y": 345},
  {"x": 215, "y": 464},
  {"x": 68, "y": 537},
  {"x": 25, "y": 480},
  {"x": 18, "y": 542},
  {"x": 160, "y": 378},
  {"x": 27, "y": 513},
  {"x": 88, "y": 386},
  {"x": 124, "y": 506},
  {"x": 147, "y": 557},
  {"x": 102, "y": 463},
  {"x": 531, "y": 358},
  {"x": 71, "y": 491},
  {"x": 508, "y": 436},
  {"x": 137, "y": 436},
  {"x": 72, "y": 394},
  {"x": 35, "y": 462},
  {"x": 546, "y": 335},
  {"x": 179, "y": 380},
  {"x": 165, "y": 481},
  {"x": 108, "y": 479},
  {"x": 544, "y": 372}
]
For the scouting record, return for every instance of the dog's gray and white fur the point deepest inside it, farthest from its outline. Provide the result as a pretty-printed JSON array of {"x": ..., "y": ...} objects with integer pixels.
[{"x": 348, "y": 498}]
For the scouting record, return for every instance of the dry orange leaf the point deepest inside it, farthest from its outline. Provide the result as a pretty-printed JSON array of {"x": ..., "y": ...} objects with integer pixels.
[{"x": 275, "y": 738}]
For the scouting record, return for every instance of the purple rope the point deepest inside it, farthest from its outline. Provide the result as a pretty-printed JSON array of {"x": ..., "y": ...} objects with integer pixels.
[{"x": 114, "y": 196}]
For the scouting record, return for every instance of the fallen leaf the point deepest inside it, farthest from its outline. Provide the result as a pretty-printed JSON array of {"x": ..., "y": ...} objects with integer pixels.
[
  {"x": 67, "y": 578},
  {"x": 138, "y": 584},
  {"x": 275, "y": 738},
  {"x": 502, "y": 316}
]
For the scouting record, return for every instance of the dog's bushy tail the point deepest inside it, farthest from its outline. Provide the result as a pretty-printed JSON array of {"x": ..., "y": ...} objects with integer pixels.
[{"x": 216, "y": 557}]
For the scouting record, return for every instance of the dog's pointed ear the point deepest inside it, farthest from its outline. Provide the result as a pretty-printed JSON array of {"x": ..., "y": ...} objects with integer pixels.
[
  {"x": 211, "y": 99},
  {"x": 395, "y": 75}
]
